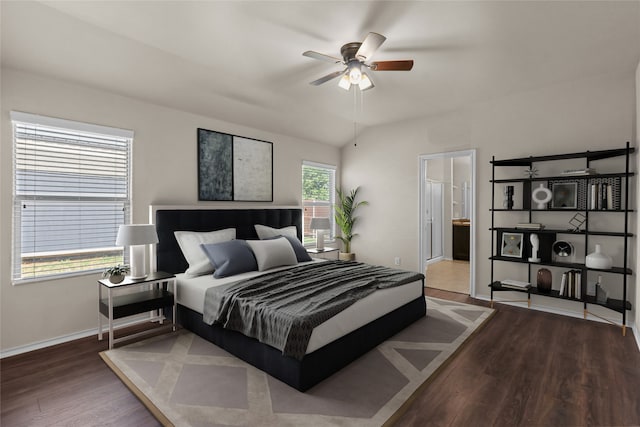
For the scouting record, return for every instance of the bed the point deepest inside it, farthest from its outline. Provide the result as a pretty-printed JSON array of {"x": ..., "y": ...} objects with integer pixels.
[{"x": 333, "y": 344}]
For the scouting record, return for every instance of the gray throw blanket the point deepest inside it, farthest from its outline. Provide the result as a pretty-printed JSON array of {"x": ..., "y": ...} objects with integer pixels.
[{"x": 282, "y": 308}]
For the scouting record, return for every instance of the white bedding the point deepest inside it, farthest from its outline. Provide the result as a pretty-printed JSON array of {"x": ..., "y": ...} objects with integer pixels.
[{"x": 191, "y": 291}]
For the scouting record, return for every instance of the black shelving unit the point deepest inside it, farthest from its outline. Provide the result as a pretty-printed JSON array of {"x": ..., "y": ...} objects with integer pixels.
[{"x": 547, "y": 235}]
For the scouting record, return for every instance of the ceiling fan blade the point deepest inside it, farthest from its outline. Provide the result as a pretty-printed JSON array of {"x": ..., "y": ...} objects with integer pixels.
[
  {"x": 370, "y": 44},
  {"x": 404, "y": 65},
  {"x": 327, "y": 78},
  {"x": 322, "y": 57}
]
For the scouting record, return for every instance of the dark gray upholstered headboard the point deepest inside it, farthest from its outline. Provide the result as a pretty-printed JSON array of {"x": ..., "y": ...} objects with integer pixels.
[{"x": 169, "y": 257}]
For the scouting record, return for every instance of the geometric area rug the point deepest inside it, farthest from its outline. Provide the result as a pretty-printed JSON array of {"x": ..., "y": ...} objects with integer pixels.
[{"x": 187, "y": 381}]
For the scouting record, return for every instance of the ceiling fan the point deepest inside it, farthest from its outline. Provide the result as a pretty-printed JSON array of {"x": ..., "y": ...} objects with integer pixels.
[{"x": 355, "y": 57}]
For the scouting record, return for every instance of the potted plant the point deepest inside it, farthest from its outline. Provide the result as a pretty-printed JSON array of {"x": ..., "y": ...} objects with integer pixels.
[
  {"x": 346, "y": 219},
  {"x": 116, "y": 273}
]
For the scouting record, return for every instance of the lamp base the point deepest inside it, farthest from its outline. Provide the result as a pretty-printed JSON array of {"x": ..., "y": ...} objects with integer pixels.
[
  {"x": 137, "y": 258},
  {"x": 320, "y": 240}
]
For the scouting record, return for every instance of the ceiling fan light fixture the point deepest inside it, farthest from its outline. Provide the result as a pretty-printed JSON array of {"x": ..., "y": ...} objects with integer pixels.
[
  {"x": 355, "y": 73},
  {"x": 345, "y": 82},
  {"x": 365, "y": 82}
]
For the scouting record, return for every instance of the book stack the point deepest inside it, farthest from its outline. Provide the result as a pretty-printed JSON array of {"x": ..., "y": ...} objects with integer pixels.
[
  {"x": 515, "y": 284},
  {"x": 575, "y": 172},
  {"x": 570, "y": 286},
  {"x": 529, "y": 226}
]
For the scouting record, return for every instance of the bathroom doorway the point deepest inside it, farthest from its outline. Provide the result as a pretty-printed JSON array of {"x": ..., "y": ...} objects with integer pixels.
[{"x": 447, "y": 220}]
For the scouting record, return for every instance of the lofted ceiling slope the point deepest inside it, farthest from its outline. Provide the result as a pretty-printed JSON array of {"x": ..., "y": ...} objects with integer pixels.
[{"x": 241, "y": 61}]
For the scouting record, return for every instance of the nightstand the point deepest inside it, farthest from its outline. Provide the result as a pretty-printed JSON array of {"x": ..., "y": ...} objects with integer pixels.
[
  {"x": 326, "y": 253},
  {"x": 157, "y": 291}
]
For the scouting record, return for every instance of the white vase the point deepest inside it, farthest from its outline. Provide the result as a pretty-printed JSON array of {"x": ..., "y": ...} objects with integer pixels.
[{"x": 598, "y": 260}]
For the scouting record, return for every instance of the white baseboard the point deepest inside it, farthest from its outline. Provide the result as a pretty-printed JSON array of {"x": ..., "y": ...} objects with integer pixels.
[{"x": 65, "y": 338}]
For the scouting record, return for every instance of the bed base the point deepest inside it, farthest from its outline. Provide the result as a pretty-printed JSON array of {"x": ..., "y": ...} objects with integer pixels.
[{"x": 314, "y": 367}]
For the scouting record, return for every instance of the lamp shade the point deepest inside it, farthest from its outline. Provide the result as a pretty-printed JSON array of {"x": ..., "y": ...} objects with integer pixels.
[
  {"x": 136, "y": 234},
  {"x": 320, "y": 224}
]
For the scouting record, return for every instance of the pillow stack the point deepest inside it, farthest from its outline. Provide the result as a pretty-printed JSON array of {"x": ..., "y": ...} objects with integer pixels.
[{"x": 219, "y": 252}]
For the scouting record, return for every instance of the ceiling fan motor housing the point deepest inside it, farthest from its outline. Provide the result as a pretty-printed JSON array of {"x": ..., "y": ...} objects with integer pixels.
[{"x": 349, "y": 50}]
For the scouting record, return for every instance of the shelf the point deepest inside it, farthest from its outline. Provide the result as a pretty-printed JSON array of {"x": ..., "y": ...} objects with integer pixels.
[
  {"x": 139, "y": 302},
  {"x": 612, "y": 304},
  {"x": 568, "y": 265},
  {"x": 620, "y": 182},
  {"x": 589, "y": 155},
  {"x": 561, "y": 177},
  {"x": 561, "y": 231},
  {"x": 562, "y": 210}
]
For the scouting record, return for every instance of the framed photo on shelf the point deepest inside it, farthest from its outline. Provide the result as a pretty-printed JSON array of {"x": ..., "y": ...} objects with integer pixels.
[
  {"x": 511, "y": 245},
  {"x": 564, "y": 195}
]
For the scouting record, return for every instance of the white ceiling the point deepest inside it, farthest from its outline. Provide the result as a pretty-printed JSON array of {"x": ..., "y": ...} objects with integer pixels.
[{"x": 241, "y": 61}]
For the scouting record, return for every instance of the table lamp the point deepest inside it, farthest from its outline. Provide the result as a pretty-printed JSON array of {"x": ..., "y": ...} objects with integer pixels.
[
  {"x": 137, "y": 236},
  {"x": 320, "y": 224}
]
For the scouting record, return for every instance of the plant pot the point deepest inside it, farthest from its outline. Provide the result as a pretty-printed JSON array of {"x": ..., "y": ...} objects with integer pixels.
[
  {"x": 116, "y": 278},
  {"x": 347, "y": 256}
]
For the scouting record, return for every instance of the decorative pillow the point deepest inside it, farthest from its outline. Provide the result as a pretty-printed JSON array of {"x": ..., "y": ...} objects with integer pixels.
[
  {"x": 300, "y": 251},
  {"x": 265, "y": 232},
  {"x": 273, "y": 253},
  {"x": 230, "y": 258},
  {"x": 190, "y": 241}
]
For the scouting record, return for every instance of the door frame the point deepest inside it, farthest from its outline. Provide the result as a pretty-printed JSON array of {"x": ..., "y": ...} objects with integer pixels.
[{"x": 472, "y": 231}]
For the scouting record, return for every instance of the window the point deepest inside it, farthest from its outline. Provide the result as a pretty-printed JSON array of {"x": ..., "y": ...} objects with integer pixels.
[
  {"x": 318, "y": 197},
  {"x": 71, "y": 193}
]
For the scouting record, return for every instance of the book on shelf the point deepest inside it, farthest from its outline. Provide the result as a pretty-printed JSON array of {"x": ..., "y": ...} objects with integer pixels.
[
  {"x": 571, "y": 284},
  {"x": 515, "y": 284},
  {"x": 601, "y": 196},
  {"x": 585, "y": 171},
  {"x": 529, "y": 226}
]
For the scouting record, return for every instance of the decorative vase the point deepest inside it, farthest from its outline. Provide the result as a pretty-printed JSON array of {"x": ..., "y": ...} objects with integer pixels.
[
  {"x": 541, "y": 196},
  {"x": 598, "y": 260},
  {"x": 507, "y": 203},
  {"x": 116, "y": 278},
  {"x": 544, "y": 280}
]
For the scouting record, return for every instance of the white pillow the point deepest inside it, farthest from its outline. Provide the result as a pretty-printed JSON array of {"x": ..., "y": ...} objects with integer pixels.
[
  {"x": 190, "y": 241},
  {"x": 273, "y": 253},
  {"x": 265, "y": 232}
]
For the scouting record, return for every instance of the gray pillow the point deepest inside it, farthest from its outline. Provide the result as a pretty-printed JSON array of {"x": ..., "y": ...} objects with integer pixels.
[
  {"x": 273, "y": 253},
  {"x": 265, "y": 232},
  {"x": 301, "y": 252},
  {"x": 230, "y": 258},
  {"x": 190, "y": 241}
]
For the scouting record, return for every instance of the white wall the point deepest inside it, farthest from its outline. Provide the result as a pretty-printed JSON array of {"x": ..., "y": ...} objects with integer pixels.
[
  {"x": 589, "y": 114},
  {"x": 636, "y": 254},
  {"x": 164, "y": 172}
]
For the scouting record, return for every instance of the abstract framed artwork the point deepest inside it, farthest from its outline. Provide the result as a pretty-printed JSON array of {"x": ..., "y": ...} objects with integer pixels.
[
  {"x": 234, "y": 168},
  {"x": 565, "y": 195},
  {"x": 511, "y": 245}
]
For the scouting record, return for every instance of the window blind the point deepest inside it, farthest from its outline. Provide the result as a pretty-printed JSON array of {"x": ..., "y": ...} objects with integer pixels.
[
  {"x": 318, "y": 196},
  {"x": 71, "y": 194}
]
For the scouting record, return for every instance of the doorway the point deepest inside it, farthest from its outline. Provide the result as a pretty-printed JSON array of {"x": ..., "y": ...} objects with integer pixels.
[{"x": 447, "y": 220}]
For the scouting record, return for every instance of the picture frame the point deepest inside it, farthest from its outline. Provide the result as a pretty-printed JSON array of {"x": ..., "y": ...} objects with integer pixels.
[
  {"x": 564, "y": 195},
  {"x": 512, "y": 245},
  {"x": 234, "y": 168}
]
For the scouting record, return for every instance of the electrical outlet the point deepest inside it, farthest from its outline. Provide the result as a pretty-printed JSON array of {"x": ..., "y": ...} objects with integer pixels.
[{"x": 397, "y": 260}]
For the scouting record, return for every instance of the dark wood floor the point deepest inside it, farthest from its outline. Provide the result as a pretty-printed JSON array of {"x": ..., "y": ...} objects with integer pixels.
[{"x": 524, "y": 368}]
